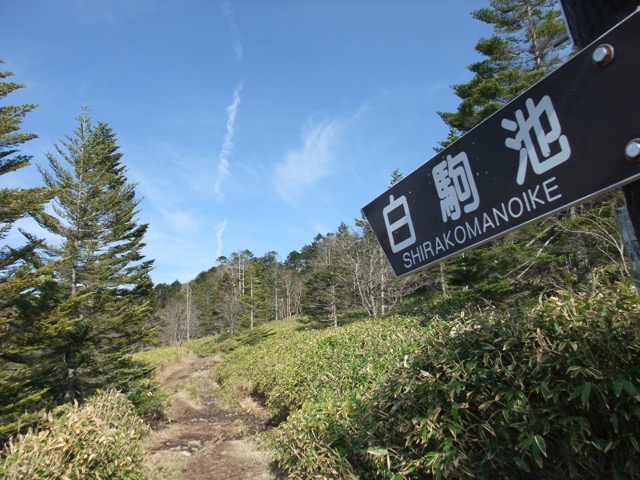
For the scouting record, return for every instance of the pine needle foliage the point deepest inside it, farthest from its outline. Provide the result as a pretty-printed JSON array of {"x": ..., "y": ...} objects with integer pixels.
[
  {"x": 528, "y": 42},
  {"x": 24, "y": 277},
  {"x": 103, "y": 278}
]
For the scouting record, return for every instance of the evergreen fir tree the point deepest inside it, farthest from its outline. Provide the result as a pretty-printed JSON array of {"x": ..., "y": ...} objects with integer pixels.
[
  {"x": 268, "y": 298},
  {"x": 528, "y": 42},
  {"x": 326, "y": 293},
  {"x": 101, "y": 260},
  {"x": 396, "y": 176},
  {"x": 24, "y": 277},
  {"x": 206, "y": 299}
]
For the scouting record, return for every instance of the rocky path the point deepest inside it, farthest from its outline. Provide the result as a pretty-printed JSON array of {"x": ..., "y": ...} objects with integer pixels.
[{"x": 201, "y": 439}]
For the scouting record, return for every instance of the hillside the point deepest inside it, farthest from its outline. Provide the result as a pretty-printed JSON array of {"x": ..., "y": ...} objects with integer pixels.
[{"x": 551, "y": 392}]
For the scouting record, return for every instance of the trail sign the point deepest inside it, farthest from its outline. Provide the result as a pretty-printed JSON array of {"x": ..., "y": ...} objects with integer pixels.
[{"x": 573, "y": 135}]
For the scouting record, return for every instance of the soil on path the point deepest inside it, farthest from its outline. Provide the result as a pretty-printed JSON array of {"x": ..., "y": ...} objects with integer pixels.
[{"x": 202, "y": 439}]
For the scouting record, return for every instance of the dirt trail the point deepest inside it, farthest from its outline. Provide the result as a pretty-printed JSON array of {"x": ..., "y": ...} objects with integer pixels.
[{"x": 201, "y": 439}]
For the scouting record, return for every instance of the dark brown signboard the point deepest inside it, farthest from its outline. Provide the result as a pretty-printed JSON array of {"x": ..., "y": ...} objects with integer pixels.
[{"x": 572, "y": 136}]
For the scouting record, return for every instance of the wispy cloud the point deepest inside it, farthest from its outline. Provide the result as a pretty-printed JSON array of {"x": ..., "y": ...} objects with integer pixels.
[
  {"x": 313, "y": 161},
  {"x": 235, "y": 33},
  {"x": 220, "y": 228},
  {"x": 227, "y": 145},
  {"x": 167, "y": 204}
]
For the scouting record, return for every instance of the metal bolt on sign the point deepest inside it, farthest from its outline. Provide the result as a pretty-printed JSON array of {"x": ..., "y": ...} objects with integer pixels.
[
  {"x": 632, "y": 150},
  {"x": 603, "y": 55}
]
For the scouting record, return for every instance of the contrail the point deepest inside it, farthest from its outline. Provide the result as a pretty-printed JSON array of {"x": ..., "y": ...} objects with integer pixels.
[
  {"x": 220, "y": 228},
  {"x": 235, "y": 33},
  {"x": 227, "y": 146}
]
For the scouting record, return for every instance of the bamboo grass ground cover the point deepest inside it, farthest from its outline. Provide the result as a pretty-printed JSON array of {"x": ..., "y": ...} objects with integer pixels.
[{"x": 550, "y": 392}]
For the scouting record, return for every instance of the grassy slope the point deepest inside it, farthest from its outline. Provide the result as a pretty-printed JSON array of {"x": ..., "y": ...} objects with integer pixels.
[{"x": 547, "y": 393}]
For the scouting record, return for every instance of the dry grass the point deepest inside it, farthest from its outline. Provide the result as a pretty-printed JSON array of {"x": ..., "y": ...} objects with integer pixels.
[{"x": 100, "y": 439}]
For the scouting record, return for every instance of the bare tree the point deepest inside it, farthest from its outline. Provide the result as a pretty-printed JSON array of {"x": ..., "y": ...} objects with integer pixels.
[
  {"x": 229, "y": 306},
  {"x": 180, "y": 319},
  {"x": 293, "y": 288},
  {"x": 374, "y": 282}
]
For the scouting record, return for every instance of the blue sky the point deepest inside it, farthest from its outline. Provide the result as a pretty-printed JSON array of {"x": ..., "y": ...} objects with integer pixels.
[{"x": 247, "y": 124}]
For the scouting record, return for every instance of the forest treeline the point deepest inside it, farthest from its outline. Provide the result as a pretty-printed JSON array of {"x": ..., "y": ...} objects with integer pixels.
[
  {"x": 344, "y": 275},
  {"x": 73, "y": 309}
]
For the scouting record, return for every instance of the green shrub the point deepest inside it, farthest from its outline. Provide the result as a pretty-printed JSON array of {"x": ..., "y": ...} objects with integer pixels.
[
  {"x": 321, "y": 380},
  {"x": 162, "y": 357},
  {"x": 551, "y": 394},
  {"x": 330, "y": 435},
  {"x": 294, "y": 367},
  {"x": 100, "y": 439},
  {"x": 150, "y": 402},
  {"x": 133, "y": 381},
  {"x": 203, "y": 345}
]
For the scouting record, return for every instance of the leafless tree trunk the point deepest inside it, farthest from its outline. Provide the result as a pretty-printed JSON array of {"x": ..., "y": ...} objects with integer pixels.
[
  {"x": 179, "y": 321},
  {"x": 188, "y": 312},
  {"x": 251, "y": 305},
  {"x": 375, "y": 285},
  {"x": 293, "y": 287},
  {"x": 230, "y": 305}
]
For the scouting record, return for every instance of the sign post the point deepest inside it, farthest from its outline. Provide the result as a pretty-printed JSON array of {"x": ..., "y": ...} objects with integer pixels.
[
  {"x": 571, "y": 136},
  {"x": 587, "y": 20}
]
